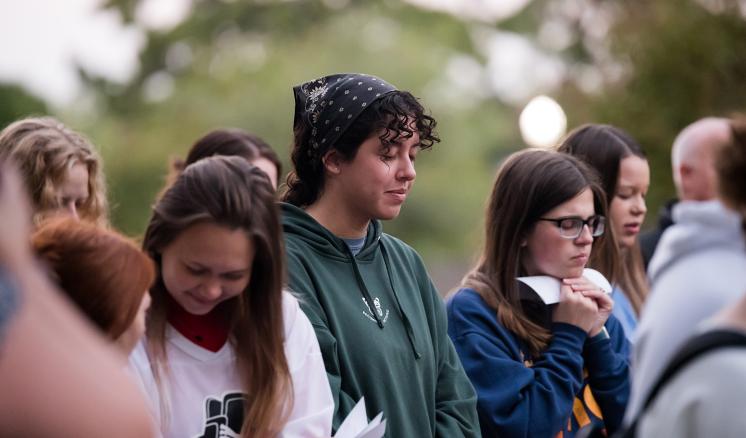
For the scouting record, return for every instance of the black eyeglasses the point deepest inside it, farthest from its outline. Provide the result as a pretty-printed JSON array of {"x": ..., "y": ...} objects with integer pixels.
[{"x": 572, "y": 226}]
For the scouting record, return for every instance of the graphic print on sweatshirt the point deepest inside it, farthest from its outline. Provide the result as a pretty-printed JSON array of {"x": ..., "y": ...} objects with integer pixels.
[
  {"x": 223, "y": 418},
  {"x": 369, "y": 313},
  {"x": 585, "y": 409}
]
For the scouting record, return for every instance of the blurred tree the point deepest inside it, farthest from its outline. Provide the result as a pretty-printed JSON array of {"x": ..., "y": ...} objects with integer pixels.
[
  {"x": 233, "y": 64},
  {"x": 686, "y": 62},
  {"x": 17, "y": 104},
  {"x": 649, "y": 67}
]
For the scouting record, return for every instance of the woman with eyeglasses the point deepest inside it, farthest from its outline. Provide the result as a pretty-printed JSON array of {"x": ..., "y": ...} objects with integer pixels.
[
  {"x": 541, "y": 370},
  {"x": 623, "y": 169}
]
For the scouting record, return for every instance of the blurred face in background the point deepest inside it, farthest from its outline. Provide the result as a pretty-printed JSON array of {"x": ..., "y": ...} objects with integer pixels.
[
  {"x": 627, "y": 210},
  {"x": 72, "y": 191},
  {"x": 267, "y": 167}
]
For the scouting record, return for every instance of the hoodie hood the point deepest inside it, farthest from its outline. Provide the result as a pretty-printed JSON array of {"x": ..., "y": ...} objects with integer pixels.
[
  {"x": 300, "y": 224},
  {"x": 697, "y": 226},
  {"x": 393, "y": 349}
]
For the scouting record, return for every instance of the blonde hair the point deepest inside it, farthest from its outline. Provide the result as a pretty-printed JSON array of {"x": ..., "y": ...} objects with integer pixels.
[{"x": 44, "y": 150}]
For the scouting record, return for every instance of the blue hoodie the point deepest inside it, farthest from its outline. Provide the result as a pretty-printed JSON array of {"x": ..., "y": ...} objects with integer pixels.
[{"x": 576, "y": 380}]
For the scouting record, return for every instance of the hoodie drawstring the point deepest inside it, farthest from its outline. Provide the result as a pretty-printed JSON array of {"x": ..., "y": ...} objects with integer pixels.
[
  {"x": 407, "y": 325},
  {"x": 369, "y": 300},
  {"x": 363, "y": 288}
]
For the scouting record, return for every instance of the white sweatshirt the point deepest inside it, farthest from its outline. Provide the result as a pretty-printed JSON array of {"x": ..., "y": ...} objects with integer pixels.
[
  {"x": 203, "y": 391},
  {"x": 698, "y": 268}
]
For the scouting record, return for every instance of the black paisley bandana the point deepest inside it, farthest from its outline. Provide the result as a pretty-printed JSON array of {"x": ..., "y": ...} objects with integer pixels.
[{"x": 332, "y": 103}]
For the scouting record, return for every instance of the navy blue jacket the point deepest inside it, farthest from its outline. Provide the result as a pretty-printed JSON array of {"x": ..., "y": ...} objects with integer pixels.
[{"x": 575, "y": 381}]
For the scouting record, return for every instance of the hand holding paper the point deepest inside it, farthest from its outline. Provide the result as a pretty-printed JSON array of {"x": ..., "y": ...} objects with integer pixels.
[{"x": 548, "y": 288}]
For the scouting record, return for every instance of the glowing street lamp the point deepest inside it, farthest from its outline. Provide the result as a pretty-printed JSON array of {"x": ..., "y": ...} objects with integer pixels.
[{"x": 542, "y": 122}]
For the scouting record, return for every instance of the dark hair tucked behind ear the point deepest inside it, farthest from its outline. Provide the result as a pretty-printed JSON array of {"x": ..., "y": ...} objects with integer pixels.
[{"x": 389, "y": 114}]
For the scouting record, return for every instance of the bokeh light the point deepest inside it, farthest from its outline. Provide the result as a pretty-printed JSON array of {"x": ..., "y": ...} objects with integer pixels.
[{"x": 542, "y": 122}]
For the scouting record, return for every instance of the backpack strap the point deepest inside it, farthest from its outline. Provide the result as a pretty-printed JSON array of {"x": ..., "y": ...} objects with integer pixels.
[{"x": 691, "y": 350}]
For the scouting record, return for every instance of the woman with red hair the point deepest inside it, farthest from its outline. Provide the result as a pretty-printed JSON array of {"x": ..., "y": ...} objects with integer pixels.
[{"x": 103, "y": 272}]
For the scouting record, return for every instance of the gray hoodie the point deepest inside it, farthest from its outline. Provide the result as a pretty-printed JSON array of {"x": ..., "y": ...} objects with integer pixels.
[{"x": 698, "y": 267}]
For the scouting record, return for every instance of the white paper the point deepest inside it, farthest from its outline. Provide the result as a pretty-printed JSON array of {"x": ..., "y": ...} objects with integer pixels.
[
  {"x": 548, "y": 288},
  {"x": 374, "y": 432},
  {"x": 356, "y": 425},
  {"x": 375, "y": 429}
]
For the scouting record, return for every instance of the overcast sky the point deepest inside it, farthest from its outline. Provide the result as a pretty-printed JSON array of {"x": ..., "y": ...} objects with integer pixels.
[{"x": 43, "y": 40}]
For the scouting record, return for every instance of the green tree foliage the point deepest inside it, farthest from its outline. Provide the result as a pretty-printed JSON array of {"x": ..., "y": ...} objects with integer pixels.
[
  {"x": 16, "y": 103},
  {"x": 233, "y": 63},
  {"x": 687, "y": 63}
]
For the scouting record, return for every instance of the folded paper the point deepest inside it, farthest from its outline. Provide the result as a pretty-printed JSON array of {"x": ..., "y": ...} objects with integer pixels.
[{"x": 548, "y": 288}]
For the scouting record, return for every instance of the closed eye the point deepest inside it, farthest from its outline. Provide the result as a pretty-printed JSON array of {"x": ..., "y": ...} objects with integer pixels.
[
  {"x": 195, "y": 271},
  {"x": 234, "y": 276}
]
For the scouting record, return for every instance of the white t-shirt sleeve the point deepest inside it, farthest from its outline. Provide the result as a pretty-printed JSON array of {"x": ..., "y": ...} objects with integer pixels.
[{"x": 313, "y": 406}]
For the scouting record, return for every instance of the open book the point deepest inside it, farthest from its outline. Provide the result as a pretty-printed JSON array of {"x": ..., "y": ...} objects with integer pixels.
[
  {"x": 548, "y": 288},
  {"x": 356, "y": 424}
]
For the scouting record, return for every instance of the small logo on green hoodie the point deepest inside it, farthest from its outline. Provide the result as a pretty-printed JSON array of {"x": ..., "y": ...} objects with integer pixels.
[{"x": 369, "y": 313}]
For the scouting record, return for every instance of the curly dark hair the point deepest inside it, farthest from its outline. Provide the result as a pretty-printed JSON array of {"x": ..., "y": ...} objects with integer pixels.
[{"x": 387, "y": 115}]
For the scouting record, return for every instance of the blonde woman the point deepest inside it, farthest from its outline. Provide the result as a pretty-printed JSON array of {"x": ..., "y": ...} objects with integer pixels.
[{"x": 61, "y": 168}]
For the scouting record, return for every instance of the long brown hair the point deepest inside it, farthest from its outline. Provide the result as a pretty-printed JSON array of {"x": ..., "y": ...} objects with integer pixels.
[
  {"x": 103, "y": 272},
  {"x": 231, "y": 192},
  {"x": 603, "y": 147},
  {"x": 529, "y": 183},
  {"x": 44, "y": 150}
]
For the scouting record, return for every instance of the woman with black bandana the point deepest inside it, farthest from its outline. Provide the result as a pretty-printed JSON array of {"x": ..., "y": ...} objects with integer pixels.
[{"x": 379, "y": 320}]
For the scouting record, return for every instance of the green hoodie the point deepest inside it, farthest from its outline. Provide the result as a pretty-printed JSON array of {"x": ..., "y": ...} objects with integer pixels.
[{"x": 382, "y": 330}]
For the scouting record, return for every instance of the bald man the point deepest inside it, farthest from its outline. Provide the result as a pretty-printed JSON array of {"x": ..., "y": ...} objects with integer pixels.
[
  {"x": 698, "y": 267},
  {"x": 693, "y": 169},
  {"x": 693, "y": 158}
]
